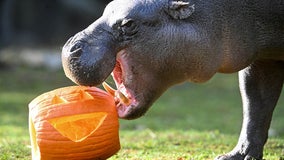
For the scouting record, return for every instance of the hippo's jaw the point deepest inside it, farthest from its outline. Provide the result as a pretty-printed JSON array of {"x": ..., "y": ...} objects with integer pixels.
[
  {"x": 135, "y": 93},
  {"x": 119, "y": 76}
]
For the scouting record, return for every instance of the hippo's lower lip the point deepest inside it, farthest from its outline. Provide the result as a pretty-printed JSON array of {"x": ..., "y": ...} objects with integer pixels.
[{"x": 120, "y": 75}]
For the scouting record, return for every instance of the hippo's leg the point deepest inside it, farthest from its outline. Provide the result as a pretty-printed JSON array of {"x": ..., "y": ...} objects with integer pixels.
[{"x": 260, "y": 86}]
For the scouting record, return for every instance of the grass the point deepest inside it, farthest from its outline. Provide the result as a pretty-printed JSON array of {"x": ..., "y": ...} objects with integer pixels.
[{"x": 188, "y": 122}]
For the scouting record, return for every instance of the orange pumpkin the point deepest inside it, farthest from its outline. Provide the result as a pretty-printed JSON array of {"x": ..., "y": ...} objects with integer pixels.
[{"x": 73, "y": 123}]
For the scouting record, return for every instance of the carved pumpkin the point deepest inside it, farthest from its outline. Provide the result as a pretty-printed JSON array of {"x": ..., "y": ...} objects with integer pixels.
[{"x": 73, "y": 123}]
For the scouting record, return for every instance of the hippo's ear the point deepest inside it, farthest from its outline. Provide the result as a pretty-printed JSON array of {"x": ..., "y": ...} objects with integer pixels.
[{"x": 179, "y": 9}]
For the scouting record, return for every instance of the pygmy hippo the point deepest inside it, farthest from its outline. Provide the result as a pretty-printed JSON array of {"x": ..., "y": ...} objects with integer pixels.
[{"x": 150, "y": 45}]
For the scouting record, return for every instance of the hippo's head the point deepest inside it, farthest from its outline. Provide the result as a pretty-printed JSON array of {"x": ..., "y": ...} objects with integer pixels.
[{"x": 144, "y": 45}]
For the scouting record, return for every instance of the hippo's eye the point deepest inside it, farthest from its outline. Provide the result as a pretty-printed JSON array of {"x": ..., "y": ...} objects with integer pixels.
[
  {"x": 127, "y": 23},
  {"x": 128, "y": 27}
]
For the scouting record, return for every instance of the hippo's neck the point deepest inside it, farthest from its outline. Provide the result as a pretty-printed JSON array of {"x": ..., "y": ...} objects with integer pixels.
[
  {"x": 233, "y": 35},
  {"x": 246, "y": 30},
  {"x": 237, "y": 51},
  {"x": 224, "y": 36}
]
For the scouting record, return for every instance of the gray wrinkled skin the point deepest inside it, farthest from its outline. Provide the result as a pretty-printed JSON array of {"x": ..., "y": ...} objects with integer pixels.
[{"x": 150, "y": 45}]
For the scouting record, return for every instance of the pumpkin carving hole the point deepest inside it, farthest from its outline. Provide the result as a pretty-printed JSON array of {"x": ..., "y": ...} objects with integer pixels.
[
  {"x": 58, "y": 100},
  {"x": 78, "y": 127},
  {"x": 85, "y": 95}
]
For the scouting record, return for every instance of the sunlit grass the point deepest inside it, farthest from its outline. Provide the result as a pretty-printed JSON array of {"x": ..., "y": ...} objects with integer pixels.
[{"x": 189, "y": 121}]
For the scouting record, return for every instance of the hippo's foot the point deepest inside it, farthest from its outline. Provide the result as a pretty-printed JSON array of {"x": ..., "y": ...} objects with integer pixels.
[
  {"x": 238, "y": 156},
  {"x": 235, "y": 157}
]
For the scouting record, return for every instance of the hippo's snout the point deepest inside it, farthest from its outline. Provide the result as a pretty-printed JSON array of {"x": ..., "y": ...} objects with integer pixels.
[{"x": 88, "y": 61}]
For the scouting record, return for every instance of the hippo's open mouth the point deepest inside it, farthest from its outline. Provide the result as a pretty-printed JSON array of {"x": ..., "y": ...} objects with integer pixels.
[{"x": 125, "y": 99}]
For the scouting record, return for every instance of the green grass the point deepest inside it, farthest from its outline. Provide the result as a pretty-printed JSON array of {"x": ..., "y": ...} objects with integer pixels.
[{"x": 188, "y": 122}]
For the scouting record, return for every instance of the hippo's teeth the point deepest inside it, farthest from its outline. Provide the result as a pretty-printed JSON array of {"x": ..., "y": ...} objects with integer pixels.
[
  {"x": 109, "y": 89},
  {"x": 122, "y": 98},
  {"x": 116, "y": 93}
]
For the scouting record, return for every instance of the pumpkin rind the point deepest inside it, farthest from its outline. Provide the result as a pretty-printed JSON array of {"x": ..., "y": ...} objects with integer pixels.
[{"x": 48, "y": 143}]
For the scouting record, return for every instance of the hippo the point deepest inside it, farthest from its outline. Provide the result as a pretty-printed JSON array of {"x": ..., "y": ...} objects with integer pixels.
[{"x": 150, "y": 45}]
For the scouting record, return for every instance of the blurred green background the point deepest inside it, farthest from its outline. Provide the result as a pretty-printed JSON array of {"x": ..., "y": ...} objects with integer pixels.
[{"x": 32, "y": 33}]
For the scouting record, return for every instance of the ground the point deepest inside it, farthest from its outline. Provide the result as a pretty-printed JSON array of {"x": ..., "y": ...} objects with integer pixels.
[{"x": 188, "y": 122}]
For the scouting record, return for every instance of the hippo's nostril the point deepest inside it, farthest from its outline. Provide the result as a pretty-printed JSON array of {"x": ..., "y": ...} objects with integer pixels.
[
  {"x": 76, "y": 47},
  {"x": 77, "y": 53},
  {"x": 76, "y": 50}
]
